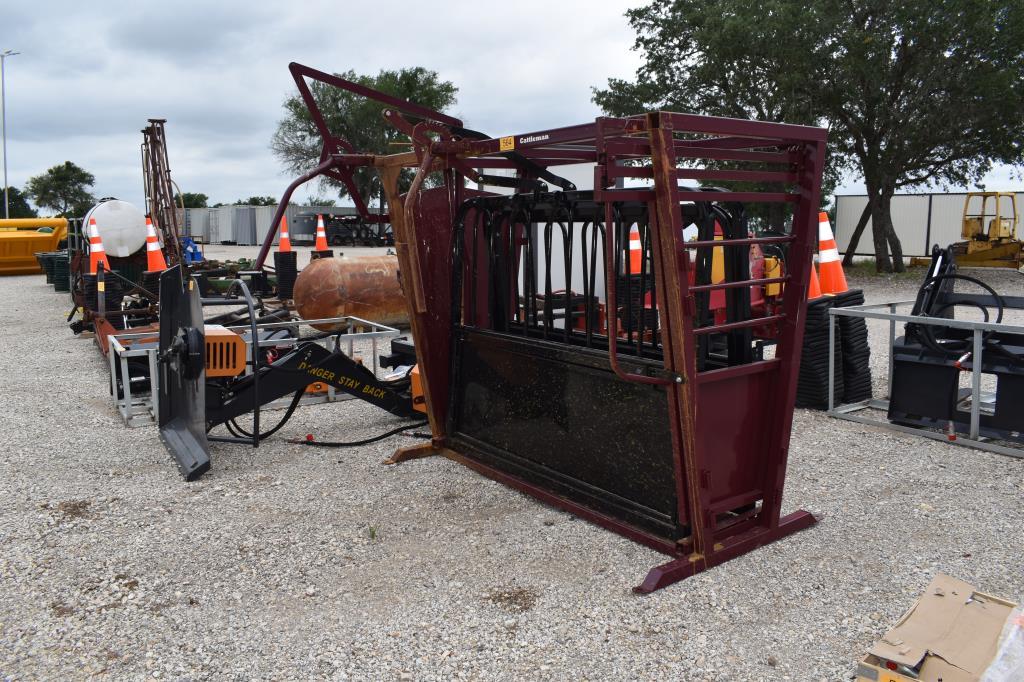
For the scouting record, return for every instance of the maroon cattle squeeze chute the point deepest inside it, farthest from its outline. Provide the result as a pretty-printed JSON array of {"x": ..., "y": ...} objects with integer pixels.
[{"x": 655, "y": 400}]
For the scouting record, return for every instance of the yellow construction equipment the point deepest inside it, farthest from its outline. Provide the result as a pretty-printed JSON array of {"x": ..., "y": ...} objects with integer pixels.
[
  {"x": 22, "y": 238},
  {"x": 990, "y": 231}
]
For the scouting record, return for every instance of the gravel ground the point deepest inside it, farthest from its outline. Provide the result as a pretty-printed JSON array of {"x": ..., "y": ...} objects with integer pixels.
[{"x": 284, "y": 563}]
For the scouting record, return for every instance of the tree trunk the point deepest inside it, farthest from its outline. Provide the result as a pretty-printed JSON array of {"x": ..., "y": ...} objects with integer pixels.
[
  {"x": 883, "y": 229},
  {"x": 855, "y": 238},
  {"x": 879, "y": 234},
  {"x": 893, "y": 239}
]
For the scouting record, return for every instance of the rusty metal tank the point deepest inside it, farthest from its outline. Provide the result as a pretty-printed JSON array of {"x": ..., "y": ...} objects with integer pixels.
[{"x": 365, "y": 287}]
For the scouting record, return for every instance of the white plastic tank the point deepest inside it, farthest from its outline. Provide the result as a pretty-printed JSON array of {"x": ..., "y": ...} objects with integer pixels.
[{"x": 121, "y": 225}]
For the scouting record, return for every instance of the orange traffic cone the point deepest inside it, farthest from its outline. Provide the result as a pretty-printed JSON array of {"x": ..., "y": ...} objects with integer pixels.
[
  {"x": 833, "y": 281},
  {"x": 154, "y": 256},
  {"x": 636, "y": 251},
  {"x": 321, "y": 234},
  {"x": 97, "y": 254},
  {"x": 814, "y": 290},
  {"x": 284, "y": 245}
]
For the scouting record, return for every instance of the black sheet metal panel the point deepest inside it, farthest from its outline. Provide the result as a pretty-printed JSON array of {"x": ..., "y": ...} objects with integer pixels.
[
  {"x": 182, "y": 417},
  {"x": 1009, "y": 400},
  {"x": 921, "y": 386},
  {"x": 545, "y": 412}
]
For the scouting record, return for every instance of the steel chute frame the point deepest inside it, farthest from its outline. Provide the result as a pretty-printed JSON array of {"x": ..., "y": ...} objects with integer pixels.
[{"x": 724, "y": 417}]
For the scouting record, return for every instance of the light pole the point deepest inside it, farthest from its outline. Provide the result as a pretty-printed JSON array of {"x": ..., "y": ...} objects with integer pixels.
[{"x": 3, "y": 120}]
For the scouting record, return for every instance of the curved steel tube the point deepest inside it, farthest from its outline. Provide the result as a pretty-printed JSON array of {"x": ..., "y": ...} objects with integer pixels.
[
  {"x": 610, "y": 296},
  {"x": 268, "y": 241},
  {"x": 414, "y": 255}
]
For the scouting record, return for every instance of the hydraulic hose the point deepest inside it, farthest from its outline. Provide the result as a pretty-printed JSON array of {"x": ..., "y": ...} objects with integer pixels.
[
  {"x": 956, "y": 347},
  {"x": 356, "y": 443},
  {"x": 239, "y": 432}
]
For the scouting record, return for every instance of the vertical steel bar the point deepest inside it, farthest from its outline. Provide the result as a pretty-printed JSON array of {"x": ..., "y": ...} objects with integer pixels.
[
  {"x": 624, "y": 270},
  {"x": 549, "y": 321},
  {"x": 640, "y": 314},
  {"x": 126, "y": 383},
  {"x": 671, "y": 280},
  {"x": 567, "y": 256},
  {"x": 3, "y": 119},
  {"x": 892, "y": 345},
  {"x": 976, "y": 385},
  {"x": 101, "y": 285},
  {"x": 831, "y": 361},
  {"x": 589, "y": 281},
  {"x": 791, "y": 330},
  {"x": 154, "y": 382},
  {"x": 111, "y": 353}
]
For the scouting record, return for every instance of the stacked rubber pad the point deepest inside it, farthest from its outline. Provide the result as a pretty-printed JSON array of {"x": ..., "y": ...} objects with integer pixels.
[
  {"x": 61, "y": 272},
  {"x": 851, "y": 353},
  {"x": 286, "y": 266},
  {"x": 853, "y": 334},
  {"x": 812, "y": 385},
  {"x": 45, "y": 260}
]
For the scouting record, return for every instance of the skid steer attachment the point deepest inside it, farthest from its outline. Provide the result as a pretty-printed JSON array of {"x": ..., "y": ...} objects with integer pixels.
[
  {"x": 204, "y": 380},
  {"x": 182, "y": 414}
]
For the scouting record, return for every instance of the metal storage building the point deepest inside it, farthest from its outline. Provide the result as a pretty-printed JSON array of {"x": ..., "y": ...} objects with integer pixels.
[
  {"x": 920, "y": 220},
  {"x": 247, "y": 225}
]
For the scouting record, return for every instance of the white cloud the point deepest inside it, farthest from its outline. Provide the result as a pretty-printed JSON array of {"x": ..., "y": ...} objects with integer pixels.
[{"x": 91, "y": 74}]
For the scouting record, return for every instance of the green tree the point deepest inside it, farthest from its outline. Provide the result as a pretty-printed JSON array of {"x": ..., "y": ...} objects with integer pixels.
[
  {"x": 916, "y": 92},
  {"x": 297, "y": 143},
  {"x": 692, "y": 62},
  {"x": 191, "y": 199},
  {"x": 319, "y": 201},
  {"x": 258, "y": 201},
  {"x": 17, "y": 204},
  {"x": 921, "y": 92},
  {"x": 64, "y": 189}
]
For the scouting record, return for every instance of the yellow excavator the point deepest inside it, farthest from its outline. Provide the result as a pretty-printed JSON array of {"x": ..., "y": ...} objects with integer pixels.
[{"x": 990, "y": 231}]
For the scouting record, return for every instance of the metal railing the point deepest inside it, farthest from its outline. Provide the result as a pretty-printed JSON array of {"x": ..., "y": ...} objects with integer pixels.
[
  {"x": 978, "y": 330},
  {"x": 143, "y": 407}
]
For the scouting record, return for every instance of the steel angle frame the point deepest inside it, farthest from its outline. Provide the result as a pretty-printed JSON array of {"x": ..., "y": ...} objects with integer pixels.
[
  {"x": 135, "y": 410},
  {"x": 141, "y": 409},
  {"x": 875, "y": 311},
  {"x": 377, "y": 332}
]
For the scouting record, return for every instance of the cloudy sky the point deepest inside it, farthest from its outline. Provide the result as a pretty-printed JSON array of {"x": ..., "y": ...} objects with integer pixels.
[{"x": 91, "y": 73}]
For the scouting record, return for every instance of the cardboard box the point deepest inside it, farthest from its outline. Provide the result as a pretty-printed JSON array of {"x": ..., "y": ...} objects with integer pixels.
[{"x": 951, "y": 634}]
